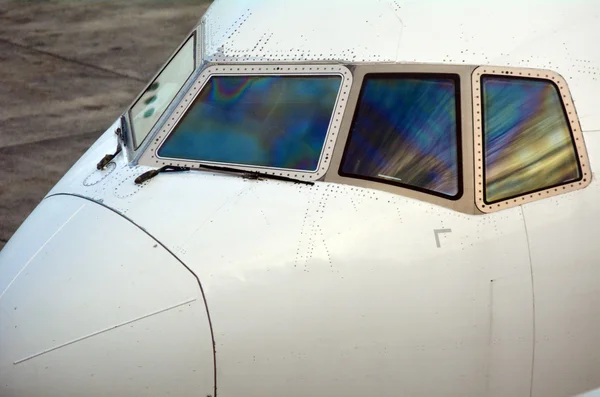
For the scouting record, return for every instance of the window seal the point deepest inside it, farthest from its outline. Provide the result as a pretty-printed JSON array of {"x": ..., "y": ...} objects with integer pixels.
[
  {"x": 150, "y": 156},
  {"x": 459, "y": 152},
  {"x": 570, "y": 114}
]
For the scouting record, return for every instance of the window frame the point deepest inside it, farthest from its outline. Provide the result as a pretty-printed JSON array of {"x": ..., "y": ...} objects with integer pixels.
[
  {"x": 569, "y": 112},
  {"x": 353, "y": 77},
  {"x": 151, "y": 158},
  {"x": 137, "y": 147},
  {"x": 465, "y": 202},
  {"x": 459, "y": 154}
]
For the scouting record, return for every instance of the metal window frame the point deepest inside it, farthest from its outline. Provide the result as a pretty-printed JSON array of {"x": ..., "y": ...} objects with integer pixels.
[
  {"x": 572, "y": 120},
  {"x": 465, "y": 202},
  {"x": 151, "y": 158}
]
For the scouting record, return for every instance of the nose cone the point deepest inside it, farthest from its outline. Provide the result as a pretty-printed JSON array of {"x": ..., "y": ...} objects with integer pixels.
[{"x": 92, "y": 305}]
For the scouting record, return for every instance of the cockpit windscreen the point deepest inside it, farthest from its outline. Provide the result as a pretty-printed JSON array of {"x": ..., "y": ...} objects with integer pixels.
[
  {"x": 405, "y": 132},
  {"x": 265, "y": 121}
]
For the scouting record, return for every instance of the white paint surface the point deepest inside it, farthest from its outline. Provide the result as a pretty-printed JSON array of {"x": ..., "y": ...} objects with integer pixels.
[
  {"x": 329, "y": 289},
  {"x": 96, "y": 307}
]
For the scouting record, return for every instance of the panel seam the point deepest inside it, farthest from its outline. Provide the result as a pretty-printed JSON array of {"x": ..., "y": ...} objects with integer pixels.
[
  {"x": 532, "y": 301},
  {"x": 174, "y": 256},
  {"x": 113, "y": 327},
  {"x": 40, "y": 250}
]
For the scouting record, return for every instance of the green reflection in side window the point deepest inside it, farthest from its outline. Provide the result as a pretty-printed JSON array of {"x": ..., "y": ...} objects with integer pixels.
[{"x": 159, "y": 95}]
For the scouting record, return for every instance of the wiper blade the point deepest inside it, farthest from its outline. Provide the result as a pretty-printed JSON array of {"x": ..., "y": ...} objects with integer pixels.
[
  {"x": 244, "y": 173},
  {"x": 253, "y": 174},
  {"x": 108, "y": 158},
  {"x": 146, "y": 176}
]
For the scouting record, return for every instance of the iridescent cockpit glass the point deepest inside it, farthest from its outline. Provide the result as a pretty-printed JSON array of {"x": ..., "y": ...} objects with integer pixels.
[
  {"x": 406, "y": 132},
  {"x": 260, "y": 121},
  {"x": 527, "y": 141}
]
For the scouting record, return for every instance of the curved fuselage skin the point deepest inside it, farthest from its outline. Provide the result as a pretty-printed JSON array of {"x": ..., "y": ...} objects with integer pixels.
[
  {"x": 200, "y": 282},
  {"x": 311, "y": 290}
]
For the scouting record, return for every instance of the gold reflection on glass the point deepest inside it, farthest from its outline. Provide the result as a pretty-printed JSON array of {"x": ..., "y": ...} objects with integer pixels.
[{"x": 527, "y": 140}]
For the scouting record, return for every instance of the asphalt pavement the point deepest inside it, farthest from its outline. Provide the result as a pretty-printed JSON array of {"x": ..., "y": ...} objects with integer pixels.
[{"x": 68, "y": 69}]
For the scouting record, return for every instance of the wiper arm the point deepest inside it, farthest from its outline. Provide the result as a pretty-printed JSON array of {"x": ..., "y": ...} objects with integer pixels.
[
  {"x": 146, "y": 176},
  {"x": 108, "y": 158},
  {"x": 254, "y": 174},
  {"x": 244, "y": 173}
]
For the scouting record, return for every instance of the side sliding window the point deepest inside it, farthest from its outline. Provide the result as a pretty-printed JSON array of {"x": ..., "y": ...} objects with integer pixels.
[
  {"x": 406, "y": 132},
  {"x": 152, "y": 103},
  {"x": 528, "y": 143}
]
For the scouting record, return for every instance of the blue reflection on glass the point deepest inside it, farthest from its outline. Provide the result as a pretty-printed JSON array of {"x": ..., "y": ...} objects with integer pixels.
[
  {"x": 270, "y": 121},
  {"x": 405, "y": 132}
]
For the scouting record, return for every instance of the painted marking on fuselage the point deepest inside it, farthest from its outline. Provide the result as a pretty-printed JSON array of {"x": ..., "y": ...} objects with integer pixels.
[
  {"x": 437, "y": 232},
  {"x": 104, "y": 330}
]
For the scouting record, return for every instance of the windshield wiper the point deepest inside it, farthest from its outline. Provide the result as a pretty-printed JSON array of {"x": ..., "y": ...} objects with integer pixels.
[
  {"x": 254, "y": 174},
  {"x": 146, "y": 176},
  {"x": 244, "y": 173},
  {"x": 108, "y": 158}
]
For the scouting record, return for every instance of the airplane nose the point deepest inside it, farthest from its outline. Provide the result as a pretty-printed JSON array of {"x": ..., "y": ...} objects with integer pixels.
[{"x": 90, "y": 304}]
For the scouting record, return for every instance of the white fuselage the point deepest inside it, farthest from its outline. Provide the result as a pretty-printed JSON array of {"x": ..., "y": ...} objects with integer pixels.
[{"x": 113, "y": 288}]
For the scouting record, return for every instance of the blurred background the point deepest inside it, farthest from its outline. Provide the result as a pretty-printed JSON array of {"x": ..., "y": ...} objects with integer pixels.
[{"x": 68, "y": 69}]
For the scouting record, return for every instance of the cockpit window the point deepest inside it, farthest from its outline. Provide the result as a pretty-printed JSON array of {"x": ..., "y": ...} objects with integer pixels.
[
  {"x": 528, "y": 144},
  {"x": 259, "y": 120},
  {"x": 157, "y": 97},
  {"x": 406, "y": 132}
]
